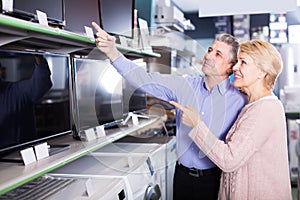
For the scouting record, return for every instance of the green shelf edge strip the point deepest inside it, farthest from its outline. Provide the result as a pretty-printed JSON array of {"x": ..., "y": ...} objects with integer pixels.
[
  {"x": 151, "y": 54},
  {"x": 24, "y": 26},
  {"x": 58, "y": 165},
  {"x": 70, "y": 160},
  {"x": 17, "y": 23},
  {"x": 127, "y": 49},
  {"x": 121, "y": 48}
]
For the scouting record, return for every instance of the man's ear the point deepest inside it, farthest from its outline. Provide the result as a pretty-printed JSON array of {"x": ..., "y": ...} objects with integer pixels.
[{"x": 229, "y": 71}]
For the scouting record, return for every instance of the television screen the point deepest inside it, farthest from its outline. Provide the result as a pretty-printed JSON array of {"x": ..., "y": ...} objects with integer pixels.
[
  {"x": 134, "y": 99},
  {"x": 27, "y": 10},
  {"x": 79, "y": 13},
  {"x": 50, "y": 113},
  {"x": 98, "y": 93},
  {"x": 117, "y": 17}
]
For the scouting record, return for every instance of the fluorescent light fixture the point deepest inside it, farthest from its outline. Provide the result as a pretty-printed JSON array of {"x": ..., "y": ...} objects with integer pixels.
[{"x": 235, "y": 7}]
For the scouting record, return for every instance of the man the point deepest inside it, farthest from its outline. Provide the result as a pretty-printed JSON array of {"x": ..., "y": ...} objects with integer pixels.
[
  {"x": 215, "y": 99},
  {"x": 17, "y": 100}
]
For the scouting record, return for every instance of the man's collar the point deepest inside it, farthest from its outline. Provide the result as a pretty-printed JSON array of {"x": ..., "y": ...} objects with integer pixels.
[{"x": 222, "y": 87}]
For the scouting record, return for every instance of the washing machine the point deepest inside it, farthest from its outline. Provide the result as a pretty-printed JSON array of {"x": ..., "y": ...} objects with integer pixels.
[
  {"x": 134, "y": 170},
  {"x": 156, "y": 159},
  {"x": 161, "y": 157},
  {"x": 112, "y": 188},
  {"x": 171, "y": 155}
]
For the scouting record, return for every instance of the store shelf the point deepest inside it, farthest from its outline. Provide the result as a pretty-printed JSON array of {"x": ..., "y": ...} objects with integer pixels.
[
  {"x": 18, "y": 33},
  {"x": 292, "y": 115},
  {"x": 14, "y": 175},
  {"x": 140, "y": 53},
  {"x": 24, "y": 35}
]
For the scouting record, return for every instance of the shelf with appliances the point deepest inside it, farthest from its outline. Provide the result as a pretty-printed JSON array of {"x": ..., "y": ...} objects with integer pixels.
[
  {"x": 15, "y": 174},
  {"x": 18, "y": 33},
  {"x": 24, "y": 35}
]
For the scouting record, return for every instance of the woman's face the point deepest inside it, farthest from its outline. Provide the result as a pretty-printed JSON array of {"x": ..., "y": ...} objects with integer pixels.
[{"x": 246, "y": 73}]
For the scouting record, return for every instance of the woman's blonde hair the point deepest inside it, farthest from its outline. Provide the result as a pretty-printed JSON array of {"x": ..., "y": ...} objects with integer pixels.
[{"x": 266, "y": 57}]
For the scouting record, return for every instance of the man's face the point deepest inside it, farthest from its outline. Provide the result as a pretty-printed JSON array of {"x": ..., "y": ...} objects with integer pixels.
[{"x": 216, "y": 60}]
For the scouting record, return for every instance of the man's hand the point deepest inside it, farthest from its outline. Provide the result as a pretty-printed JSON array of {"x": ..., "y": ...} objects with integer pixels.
[
  {"x": 106, "y": 43},
  {"x": 189, "y": 116}
]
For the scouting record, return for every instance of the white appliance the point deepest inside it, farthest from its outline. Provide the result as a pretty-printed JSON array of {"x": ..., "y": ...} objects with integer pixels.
[
  {"x": 93, "y": 188},
  {"x": 171, "y": 17},
  {"x": 291, "y": 66},
  {"x": 134, "y": 170},
  {"x": 289, "y": 88},
  {"x": 156, "y": 158},
  {"x": 293, "y": 138},
  {"x": 171, "y": 162},
  {"x": 162, "y": 157}
]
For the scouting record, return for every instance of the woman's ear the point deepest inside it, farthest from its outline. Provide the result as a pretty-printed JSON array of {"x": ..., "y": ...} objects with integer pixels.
[{"x": 262, "y": 74}]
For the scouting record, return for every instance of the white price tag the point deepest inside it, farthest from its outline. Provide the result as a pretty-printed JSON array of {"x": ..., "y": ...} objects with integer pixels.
[
  {"x": 7, "y": 5},
  {"x": 90, "y": 134},
  {"x": 28, "y": 156},
  {"x": 135, "y": 119},
  {"x": 89, "y": 32},
  {"x": 41, "y": 151},
  {"x": 130, "y": 162},
  {"x": 42, "y": 17},
  {"x": 100, "y": 132},
  {"x": 123, "y": 41},
  {"x": 90, "y": 189}
]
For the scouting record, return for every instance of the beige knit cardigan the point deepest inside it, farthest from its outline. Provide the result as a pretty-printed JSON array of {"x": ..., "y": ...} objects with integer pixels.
[{"x": 254, "y": 158}]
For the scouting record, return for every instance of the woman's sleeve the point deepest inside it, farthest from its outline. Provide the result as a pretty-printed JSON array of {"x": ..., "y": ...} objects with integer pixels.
[{"x": 247, "y": 135}]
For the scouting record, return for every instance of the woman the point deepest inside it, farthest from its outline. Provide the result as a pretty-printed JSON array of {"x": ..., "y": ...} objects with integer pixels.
[{"x": 254, "y": 158}]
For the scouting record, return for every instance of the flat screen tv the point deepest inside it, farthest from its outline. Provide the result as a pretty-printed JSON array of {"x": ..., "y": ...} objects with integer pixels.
[
  {"x": 134, "y": 99},
  {"x": 98, "y": 94},
  {"x": 27, "y": 10},
  {"x": 51, "y": 112},
  {"x": 81, "y": 13},
  {"x": 117, "y": 17}
]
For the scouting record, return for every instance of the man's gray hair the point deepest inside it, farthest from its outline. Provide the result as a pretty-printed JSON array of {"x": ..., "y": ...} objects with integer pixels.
[{"x": 232, "y": 41}]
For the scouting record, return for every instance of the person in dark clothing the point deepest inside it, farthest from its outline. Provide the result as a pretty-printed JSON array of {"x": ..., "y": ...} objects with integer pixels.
[{"x": 17, "y": 100}]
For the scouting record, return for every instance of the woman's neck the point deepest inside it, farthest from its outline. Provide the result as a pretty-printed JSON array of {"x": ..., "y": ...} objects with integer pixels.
[{"x": 255, "y": 96}]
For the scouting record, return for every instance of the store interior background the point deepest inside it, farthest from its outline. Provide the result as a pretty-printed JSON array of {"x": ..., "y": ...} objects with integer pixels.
[
  {"x": 176, "y": 32},
  {"x": 280, "y": 28}
]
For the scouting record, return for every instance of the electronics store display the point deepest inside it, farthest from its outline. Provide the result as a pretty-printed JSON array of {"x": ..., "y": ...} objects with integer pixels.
[{"x": 135, "y": 170}]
